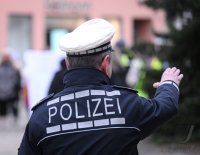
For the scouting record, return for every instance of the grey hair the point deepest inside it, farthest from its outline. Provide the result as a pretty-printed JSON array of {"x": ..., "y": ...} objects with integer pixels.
[{"x": 93, "y": 61}]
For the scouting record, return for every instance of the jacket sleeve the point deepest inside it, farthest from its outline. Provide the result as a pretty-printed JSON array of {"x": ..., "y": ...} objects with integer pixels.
[
  {"x": 28, "y": 147},
  {"x": 154, "y": 112}
]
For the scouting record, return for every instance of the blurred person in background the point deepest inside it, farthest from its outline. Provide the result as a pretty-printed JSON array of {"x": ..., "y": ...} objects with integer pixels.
[
  {"x": 10, "y": 85},
  {"x": 57, "y": 84},
  {"x": 136, "y": 74},
  {"x": 118, "y": 70},
  {"x": 91, "y": 116}
]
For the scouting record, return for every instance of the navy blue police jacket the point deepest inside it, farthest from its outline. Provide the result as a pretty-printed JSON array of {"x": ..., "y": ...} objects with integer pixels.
[{"x": 92, "y": 117}]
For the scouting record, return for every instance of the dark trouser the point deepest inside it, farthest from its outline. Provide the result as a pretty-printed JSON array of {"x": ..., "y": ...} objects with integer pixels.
[
  {"x": 14, "y": 108},
  {"x": 7, "y": 106},
  {"x": 3, "y": 108}
]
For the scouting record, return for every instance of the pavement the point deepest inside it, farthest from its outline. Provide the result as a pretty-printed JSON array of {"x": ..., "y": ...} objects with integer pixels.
[
  {"x": 11, "y": 132},
  {"x": 147, "y": 147}
]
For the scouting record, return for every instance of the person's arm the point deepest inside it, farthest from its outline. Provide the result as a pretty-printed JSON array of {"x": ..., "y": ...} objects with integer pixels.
[
  {"x": 28, "y": 147},
  {"x": 164, "y": 105}
]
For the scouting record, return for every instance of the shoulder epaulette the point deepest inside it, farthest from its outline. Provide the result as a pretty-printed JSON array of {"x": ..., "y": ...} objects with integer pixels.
[
  {"x": 125, "y": 88},
  {"x": 42, "y": 101}
]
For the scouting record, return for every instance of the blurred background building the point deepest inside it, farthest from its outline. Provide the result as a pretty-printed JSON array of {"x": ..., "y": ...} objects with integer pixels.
[
  {"x": 37, "y": 24},
  {"x": 27, "y": 27}
]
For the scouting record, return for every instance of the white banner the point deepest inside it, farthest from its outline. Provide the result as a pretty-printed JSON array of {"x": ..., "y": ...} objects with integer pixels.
[{"x": 38, "y": 71}]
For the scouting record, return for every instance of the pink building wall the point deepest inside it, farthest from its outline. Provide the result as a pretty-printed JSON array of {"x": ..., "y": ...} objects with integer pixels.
[
  {"x": 23, "y": 7},
  {"x": 129, "y": 10},
  {"x": 124, "y": 10}
]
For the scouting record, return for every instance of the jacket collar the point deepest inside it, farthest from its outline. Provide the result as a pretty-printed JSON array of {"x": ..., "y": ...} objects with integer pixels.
[{"x": 85, "y": 76}]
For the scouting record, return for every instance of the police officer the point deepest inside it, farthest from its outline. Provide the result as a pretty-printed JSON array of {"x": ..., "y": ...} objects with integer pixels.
[{"x": 91, "y": 116}]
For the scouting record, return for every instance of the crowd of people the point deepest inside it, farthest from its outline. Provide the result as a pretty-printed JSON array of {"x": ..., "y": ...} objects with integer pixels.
[
  {"x": 128, "y": 71},
  {"x": 130, "y": 67}
]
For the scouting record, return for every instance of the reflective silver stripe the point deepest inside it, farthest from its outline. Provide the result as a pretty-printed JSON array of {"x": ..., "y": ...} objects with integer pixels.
[
  {"x": 56, "y": 100},
  {"x": 84, "y": 52},
  {"x": 86, "y": 124},
  {"x": 115, "y": 121},
  {"x": 80, "y": 131},
  {"x": 82, "y": 94},
  {"x": 113, "y": 93},
  {"x": 98, "y": 92},
  {"x": 170, "y": 82},
  {"x": 67, "y": 97},
  {"x": 166, "y": 82},
  {"x": 101, "y": 122},
  {"x": 175, "y": 86},
  {"x": 105, "y": 47},
  {"x": 85, "y": 93},
  {"x": 90, "y": 51},
  {"x": 99, "y": 49},
  {"x": 53, "y": 129},
  {"x": 69, "y": 126}
]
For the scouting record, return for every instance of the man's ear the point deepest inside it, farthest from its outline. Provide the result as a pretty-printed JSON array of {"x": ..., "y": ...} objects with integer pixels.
[{"x": 106, "y": 66}]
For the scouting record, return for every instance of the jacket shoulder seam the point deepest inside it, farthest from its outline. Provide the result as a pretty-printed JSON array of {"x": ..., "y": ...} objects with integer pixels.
[{"x": 42, "y": 101}]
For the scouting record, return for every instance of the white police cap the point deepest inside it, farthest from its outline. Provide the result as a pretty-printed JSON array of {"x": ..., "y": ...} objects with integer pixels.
[{"x": 91, "y": 37}]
